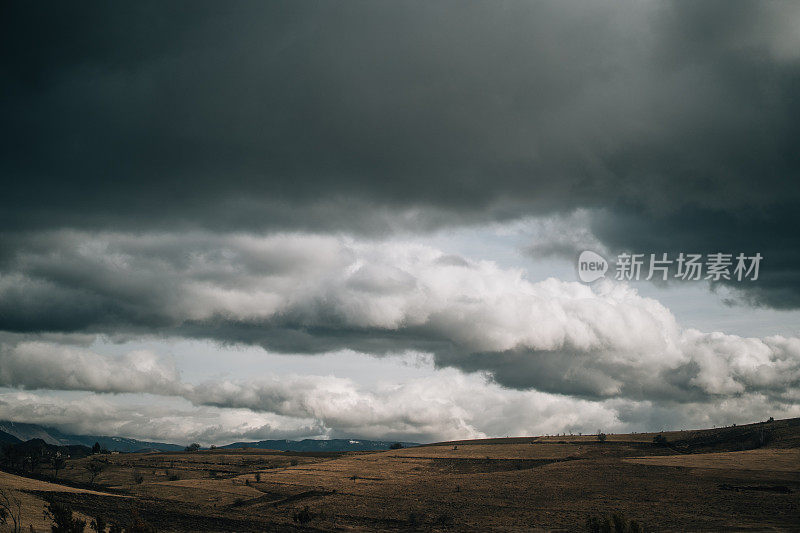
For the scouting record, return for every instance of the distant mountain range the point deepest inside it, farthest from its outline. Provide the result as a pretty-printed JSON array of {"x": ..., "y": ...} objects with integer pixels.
[
  {"x": 25, "y": 432},
  {"x": 14, "y": 432},
  {"x": 7, "y": 438},
  {"x": 315, "y": 445}
]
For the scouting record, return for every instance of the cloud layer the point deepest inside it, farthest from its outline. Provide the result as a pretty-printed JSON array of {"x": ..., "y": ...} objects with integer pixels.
[
  {"x": 247, "y": 173},
  {"x": 43, "y": 365},
  {"x": 312, "y": 294},
  {"x": 445, "y": 405}
]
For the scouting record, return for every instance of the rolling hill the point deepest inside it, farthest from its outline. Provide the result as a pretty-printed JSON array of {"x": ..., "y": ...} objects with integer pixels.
[
  {"x": 736, "y": 478},
  {"x": 317, "y": 445}
]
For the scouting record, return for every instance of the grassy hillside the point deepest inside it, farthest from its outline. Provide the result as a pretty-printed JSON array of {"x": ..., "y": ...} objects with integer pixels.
[{"x": 717, "y": 479}]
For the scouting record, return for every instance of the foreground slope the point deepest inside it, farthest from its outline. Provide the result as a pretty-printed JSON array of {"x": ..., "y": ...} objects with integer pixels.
[{"x": 32, "y": 506}]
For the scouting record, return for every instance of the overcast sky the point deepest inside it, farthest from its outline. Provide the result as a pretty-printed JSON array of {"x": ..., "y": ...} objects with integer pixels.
[{"x": 252, "y": 220}]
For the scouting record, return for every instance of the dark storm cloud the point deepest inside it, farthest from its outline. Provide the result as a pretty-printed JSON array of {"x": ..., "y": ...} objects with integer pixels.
[
  {"x": 674, "y": 123},
  {"x": 289, "y": 114},
  {"x": 771, "y": 232},
  {"x": 372, "y": 116}
]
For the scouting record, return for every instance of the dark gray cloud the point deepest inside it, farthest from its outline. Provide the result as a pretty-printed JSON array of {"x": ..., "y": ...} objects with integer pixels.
[
  {"x": 770, "y": 232},
  {"x": 373, "y": 116},
  {"x": 290, "y": 114}
]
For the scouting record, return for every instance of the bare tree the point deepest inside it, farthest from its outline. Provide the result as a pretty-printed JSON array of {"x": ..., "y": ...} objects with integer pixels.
[
  {"x": 58, "y": 464},
  {"x": 94, "y": 468},
  {"x": 10, "y": 508},
  {"x": 32, "y": 460}
]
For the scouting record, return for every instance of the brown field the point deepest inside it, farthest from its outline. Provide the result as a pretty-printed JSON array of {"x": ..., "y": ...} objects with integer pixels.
[{"x": 744, "y": 478}]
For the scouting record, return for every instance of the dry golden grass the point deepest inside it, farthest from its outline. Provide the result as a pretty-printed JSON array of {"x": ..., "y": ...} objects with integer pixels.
[
  {"x": 23, "y": 483},
  {"x": 761, "y": 460}
]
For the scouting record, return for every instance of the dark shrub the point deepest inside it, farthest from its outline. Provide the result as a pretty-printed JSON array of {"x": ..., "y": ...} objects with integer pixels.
[
  {"x": 98, "y": 524},
  {"x": 612, "y": 523},
  {"x": 395, "y": 446},
  {"x": 303, "y": 517},
  {"x": 138, "y": 525},
  {"x": 63, "y": 522},
  {"x": 445, "y": 520}
]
